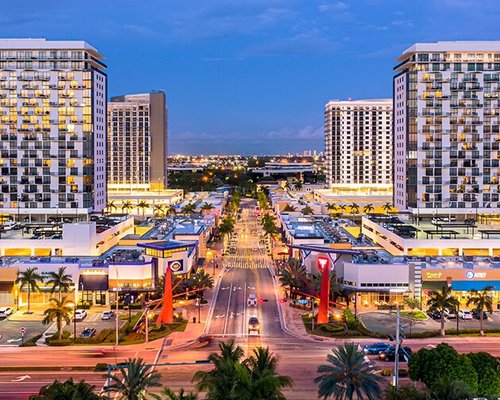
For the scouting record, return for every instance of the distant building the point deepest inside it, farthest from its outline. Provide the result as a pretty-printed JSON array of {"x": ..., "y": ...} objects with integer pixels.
[
  {"x": 446, "y": 128},
  {"x": 53, "y": 127},
  {"x": 358, "y": 146},
  {"x": 137, "y": 142}
]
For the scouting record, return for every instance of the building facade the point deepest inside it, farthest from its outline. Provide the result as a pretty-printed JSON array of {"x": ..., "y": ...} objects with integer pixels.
[
  {"x": 358, "y": 141},
  {"x": 446, "y": 127},
  {"x": 53, "y": 127},
  {"x": 137, "y": 141}
]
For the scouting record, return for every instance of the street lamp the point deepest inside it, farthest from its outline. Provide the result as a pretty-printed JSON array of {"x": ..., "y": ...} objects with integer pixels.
[
  {"x": 148, "y": 315},
  {"x": 74, "y": 320}
]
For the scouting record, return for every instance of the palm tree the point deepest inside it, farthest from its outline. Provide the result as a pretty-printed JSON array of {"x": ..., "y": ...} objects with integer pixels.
[
  {"x": 265, "y": 383},
  {"x": 171, "y": 210},
  {"x": 439, "y": 301},
  {"x": 407, "y": 392},
  {"x": 127, "y": 206},
  {"x": 60, "y": 311},
  {"x": 226, "y": 228},
  {"x": 292, "y": 276},
  {"x": 347, "y": 375},
  {"x": 482, "y": 300},
  {"x": 110, "y": 205},
  {"x": 207, "y": 206},
  {"x": 307, "y": 210},
  {"x": 331, "y": 207},
  {"x": 289, "y": 208},
  {"x": 29, "y": 278},
  {"x": 354, "y": 209},
  {"x": 134, "y": 379},
  {"x": 200, "y": 281},
  {"x": 220, "y": 381},
  {"x": 158, "y": 210},
  {"x": 298, "y": 185},
  {"x": 60, "y": 281},
  {"x": 189, "y": 208},
  {"x": 343, "y": 207},
  {"x": 67, "y": 390},
  {"x": 169, "y": 394},
  {"x": 368, "y": 208},
  {"x": 387, "y": 207},
  {"x": 143, "y": 205}
]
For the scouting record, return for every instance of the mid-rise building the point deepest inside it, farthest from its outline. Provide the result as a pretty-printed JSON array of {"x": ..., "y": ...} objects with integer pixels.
[
  {"x": 53, "y": 127},
  {"x": 446, "y": 128},
  {"x": 137, "y": 142},
  {"x": 358, "y": 144}
]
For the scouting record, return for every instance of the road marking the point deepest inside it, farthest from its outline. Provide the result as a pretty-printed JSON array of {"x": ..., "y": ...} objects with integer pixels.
[
  {"x": 14, "y": 340},
  {"x": 227, "y": 310},
  {"x": 21, "y": 378}
]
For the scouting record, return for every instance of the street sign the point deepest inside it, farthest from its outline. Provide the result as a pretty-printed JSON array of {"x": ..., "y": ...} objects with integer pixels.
[
  {"x": 22, "y": 330},
  {"x": 302, "y": 301}
]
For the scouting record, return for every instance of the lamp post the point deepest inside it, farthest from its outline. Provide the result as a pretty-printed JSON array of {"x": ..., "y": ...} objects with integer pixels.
[
  {"x": 117, "y": 335},
  {"x": 74, "y": 322},
  {"x": 147, "y": 325}
]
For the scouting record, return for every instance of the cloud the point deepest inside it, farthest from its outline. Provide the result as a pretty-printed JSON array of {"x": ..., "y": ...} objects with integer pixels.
[
  {"x": 306, "y": 133},
  {"x": 339, "y": 5},
  {"x": 403, "y": 23}
]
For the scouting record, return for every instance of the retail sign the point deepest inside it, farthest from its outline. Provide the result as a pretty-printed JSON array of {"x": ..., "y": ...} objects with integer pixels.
[
  {"x": 176, "y": 266},
  {"x": 460, "y": 274},
  {"x": 475, "y": 275},
  {"x": 323, "y": 263},
  {"x": 94, "y": 272},
  {"x": 433, "y": 275}
]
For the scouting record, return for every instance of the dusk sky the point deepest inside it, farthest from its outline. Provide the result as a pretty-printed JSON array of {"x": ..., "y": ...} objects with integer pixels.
[{"x": 250, "y": 76}]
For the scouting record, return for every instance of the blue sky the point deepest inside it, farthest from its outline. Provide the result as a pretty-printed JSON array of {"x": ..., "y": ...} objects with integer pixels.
[{"x": 251, "y": 76}]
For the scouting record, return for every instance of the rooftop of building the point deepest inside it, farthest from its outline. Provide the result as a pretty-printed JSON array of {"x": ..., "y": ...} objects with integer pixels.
[
  {"x": 364, "y": 102},
  {"x": 44, "y": 44},
  {"x": 451, "y": 46}
]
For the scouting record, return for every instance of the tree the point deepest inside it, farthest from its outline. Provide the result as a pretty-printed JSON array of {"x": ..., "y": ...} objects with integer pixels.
[
  {"x": 347, "y": 375},
  {"x": 29, "y": 279},
  {"x": 441, "y": 301},
  {"x": 354, "y": 209},
  {"x": 488, "y": 372},
  {"x": 169, "y": 394},
  {"x": 143, "y": 205},
  {"x": 207, "y": 206},
  {"x": 200, "y": 281},
  {"x": 158, "y": 210},
  {"x": 268, "y": 223},
  {"x": 127, "y": 206},
  {"x": 407, "y": 392},
  {"x": 482, "y": 300},
  {"x": 171, "y": 210},
  {"x": 189, "y": 209},
  {"x": 368, "y": 208},
  {"x": 266, "y": 383},
  {"x": 387, "y": 207},
  {"x": 60, "y": 311},
  {"x": 289, "y": 208},
  {"x": 343, "y": 207},
  {"x": 292, "y": 276},
  {"x": 298, "y": 185},
  {"x": 60, "y": 281},
  {"x": 442, "y": 362},
  {"x": 134, "y": 379},
  {"x": 226, "y": 228},
  {"x": 331, "y": 207},
  {"x": 335, "y": 289},
  {"x": 307, "y": 210},
  {"x": 67, "y": 390},
  {"x": 412, "y": 302},
  {"x": 110, "y": 205},
  {"x": 445, "y": 389}
]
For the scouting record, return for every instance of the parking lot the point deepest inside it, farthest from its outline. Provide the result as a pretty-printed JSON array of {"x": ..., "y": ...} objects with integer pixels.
[{"x": 10, "y": 330}]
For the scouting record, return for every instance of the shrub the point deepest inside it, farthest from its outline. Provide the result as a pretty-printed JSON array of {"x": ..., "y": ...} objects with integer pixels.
[
  {"x": 388, "y": 372},
  {"x": 332, "y": 328},
  {"x": 99, "y": 367},
  {"x": 350, "y": 319},
  {"x": 60, "y": 342},
  {"x": 31, "y": 341}
]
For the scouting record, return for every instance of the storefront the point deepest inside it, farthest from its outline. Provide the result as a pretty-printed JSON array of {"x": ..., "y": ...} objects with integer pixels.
[
  {"x": 93, "y": 286},
  {"x": 8, "y": 289},
  {"x": 462, "y": 281}
]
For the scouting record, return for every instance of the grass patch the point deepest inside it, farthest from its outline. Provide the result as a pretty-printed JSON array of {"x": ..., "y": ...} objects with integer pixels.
[
  {"x": 420, "y": 315},
  {"x": 327, "y": 330}
]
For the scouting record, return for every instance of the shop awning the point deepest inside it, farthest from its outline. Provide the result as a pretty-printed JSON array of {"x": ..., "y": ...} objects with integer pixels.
[
  {"x": 471, "y": 285},
  {"x": 93, "y": 282},
  {"x": 8, "y": 274}
]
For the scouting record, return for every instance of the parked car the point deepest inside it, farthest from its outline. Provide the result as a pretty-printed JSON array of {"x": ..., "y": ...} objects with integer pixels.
[
  {"x": 5, "y": 312},
  {"x": 477, "y": 314},
  {"x": 253, "y": 325},
  {"x": 465, "y": 314},
  {"x": 88, "y": 333},
  {"x": 450, "y": 314},
  {"x": 106, "y": 315},
  {"x": 252, "y": 300},
  {"x": 389, "y": 355},
  {"x": 434, "y": 314},
  {"x": 80, "y": 315},
  {"x": 376, "y": 348}
]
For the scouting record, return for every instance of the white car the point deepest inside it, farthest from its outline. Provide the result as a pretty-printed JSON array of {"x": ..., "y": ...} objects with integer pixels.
[
  {"x": 252, "y": 300},
  {"x": 80, "y": 314},
  {"x": 106, "y": 315},
  {"x": 465, "y": 314},
  {"x": 5, "y": 312}
]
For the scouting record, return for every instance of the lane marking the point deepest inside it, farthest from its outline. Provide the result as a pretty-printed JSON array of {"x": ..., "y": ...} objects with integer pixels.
[
  {"x": 21, "y": 378},
  {"x": 227, "y": 310}
]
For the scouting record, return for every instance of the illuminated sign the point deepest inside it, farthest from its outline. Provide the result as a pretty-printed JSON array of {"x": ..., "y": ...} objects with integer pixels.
[
  {"x": 93, "y": 272},
  {"x": 471, "y": 274},
  {"x": 177, "y": 266},
  {"x": 433, "y": 275},
  {"x": 322, "y": 263}
]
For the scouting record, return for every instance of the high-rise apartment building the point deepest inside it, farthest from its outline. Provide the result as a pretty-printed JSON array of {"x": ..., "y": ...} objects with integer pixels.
[
  {"x": 446, "y": 127},
  {"x": 52, "y": 127},
  {"x": 137, "y": 141},
  {"x": 358, "y": 139}
]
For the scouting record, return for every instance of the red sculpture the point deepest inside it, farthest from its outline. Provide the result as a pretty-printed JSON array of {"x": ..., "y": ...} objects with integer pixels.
[
  {"x": 167, "y": 312},
  {"x": 324, "y": 267}
]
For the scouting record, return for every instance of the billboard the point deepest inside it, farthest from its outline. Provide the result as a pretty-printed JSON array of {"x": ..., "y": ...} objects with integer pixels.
[{"x": 177, "y": 266}]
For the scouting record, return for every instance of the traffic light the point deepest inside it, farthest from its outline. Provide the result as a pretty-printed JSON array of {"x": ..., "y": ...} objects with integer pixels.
[
  {"x": 282, "y": 301},
  {"x": 261, "y": 300}
]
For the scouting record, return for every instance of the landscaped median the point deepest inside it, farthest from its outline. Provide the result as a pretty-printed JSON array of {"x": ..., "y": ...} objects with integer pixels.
[{"x": 127, "y": 335}]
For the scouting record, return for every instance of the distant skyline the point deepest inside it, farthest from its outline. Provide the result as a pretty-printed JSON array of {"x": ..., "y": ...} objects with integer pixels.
[{"x": 253, "y": 76}]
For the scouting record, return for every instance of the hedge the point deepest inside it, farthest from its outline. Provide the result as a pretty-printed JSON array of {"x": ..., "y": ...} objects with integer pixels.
[
  {"x": 350, "y": 319},
  {"x": 31, "y": 341}
]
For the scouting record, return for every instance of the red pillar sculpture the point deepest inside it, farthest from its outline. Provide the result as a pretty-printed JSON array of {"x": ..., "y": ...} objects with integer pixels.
[
  {"x": 324, "y": 267},
  {"x": 167, "y": 312}
]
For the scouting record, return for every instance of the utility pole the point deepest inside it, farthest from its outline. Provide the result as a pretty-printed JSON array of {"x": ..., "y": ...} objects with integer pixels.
[
  {"x": 312, "y": 307},
  {"x": 147, "y": 325},
  {"x": 396, "y": 351}
]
